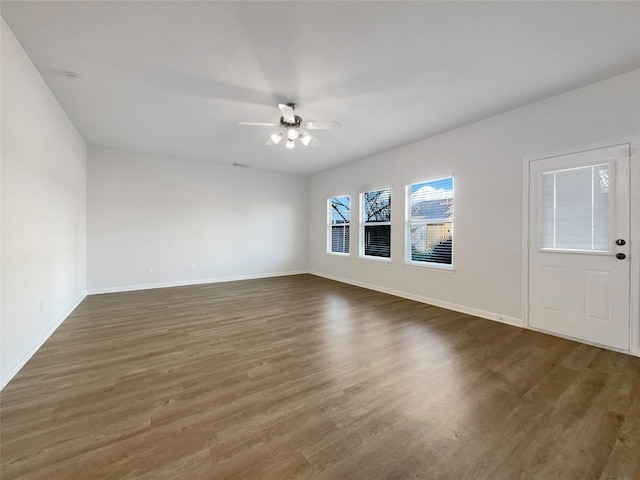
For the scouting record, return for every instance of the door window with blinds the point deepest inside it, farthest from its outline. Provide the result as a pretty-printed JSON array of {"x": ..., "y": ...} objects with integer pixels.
[
  {"x": 375, "y": 226},
  {"x": 429, "y": 232},
  {"x": 574, "y": 209},
  {"x": 338, "y": 210}
]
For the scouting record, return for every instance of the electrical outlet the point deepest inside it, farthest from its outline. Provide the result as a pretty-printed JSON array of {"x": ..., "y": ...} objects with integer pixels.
[
  {"x": 193, "y": 267},
  {"x": 149, "y": 270},
  {"x": 41, "y": 307}
]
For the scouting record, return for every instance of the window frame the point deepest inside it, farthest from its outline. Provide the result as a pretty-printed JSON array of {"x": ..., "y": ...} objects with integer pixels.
[
  {"x": 363, "y": 225},
  {"x": 408, "y": 260},
  {"x": 330, "y": 225}
]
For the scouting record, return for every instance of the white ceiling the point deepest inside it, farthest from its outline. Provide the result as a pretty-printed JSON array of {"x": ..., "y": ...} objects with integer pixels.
[{"x": 174, "y": 78}]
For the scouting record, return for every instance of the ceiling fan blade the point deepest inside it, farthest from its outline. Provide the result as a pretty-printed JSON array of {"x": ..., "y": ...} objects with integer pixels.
[
  {"x": 257, "y": 124},
  {"x": 322, "y": 125},
  {"x": 315, "y": 142},
  {"x": 287, "y": 113}
]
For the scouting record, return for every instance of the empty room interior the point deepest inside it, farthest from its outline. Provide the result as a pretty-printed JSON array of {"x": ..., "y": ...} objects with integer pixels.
[{"x": 320, "y": 240}]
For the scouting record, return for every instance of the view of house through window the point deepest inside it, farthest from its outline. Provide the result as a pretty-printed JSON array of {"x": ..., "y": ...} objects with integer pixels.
[
  {"x": 430, "y": 222},
  {"x": 375, "y": 232},
  {"x": 338, "y": 235}
]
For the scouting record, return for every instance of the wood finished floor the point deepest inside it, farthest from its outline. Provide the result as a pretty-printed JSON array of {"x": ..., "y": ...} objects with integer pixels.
[{"x": 302, "y": 377}]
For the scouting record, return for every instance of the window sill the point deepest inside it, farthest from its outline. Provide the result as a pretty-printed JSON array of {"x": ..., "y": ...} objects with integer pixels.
[
  {"x": 338, "y": 254},
  {"x": 383, "y": 260},
  {"x": 431, "y": 266}
]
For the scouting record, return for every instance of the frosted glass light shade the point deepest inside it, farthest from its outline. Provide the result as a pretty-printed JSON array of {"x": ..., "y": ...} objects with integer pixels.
[
  {"x": 276, "y": 137},
  {"x": 292, "y": 133},
  {"x": 305, "y": 138}
]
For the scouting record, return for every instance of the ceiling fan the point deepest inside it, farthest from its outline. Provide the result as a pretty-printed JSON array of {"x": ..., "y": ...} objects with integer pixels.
[{"x": 292, "y": 127}]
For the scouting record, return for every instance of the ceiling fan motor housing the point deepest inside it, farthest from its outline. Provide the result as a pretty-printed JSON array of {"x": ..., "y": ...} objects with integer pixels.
[{"x": 296, "y": 124}]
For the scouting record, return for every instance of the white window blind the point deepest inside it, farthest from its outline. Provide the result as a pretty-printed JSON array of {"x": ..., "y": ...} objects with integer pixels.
[
  {"x": 574, "y": 210},
  {"x": 338, "y": 224},
  {"x": 375, "y": 234},
  {"x": 429, "y": 233}
]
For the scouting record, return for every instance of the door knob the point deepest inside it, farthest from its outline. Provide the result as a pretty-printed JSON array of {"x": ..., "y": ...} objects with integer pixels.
[
  {"x": 620, "y": 256},
  {"x": 620, "y": 242}
]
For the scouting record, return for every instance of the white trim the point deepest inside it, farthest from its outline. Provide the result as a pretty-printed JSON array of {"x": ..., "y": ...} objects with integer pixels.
[
  {"x": 373, "y": 258},
  {"x": 587, "y": 148},
  {"x": 362, "y": 224},
  {"x": 634, "y": 244},
  {"x": 20, "y": 362},
  {"x": 437, "y": 267},
  {"x": 408, "y": 223},
  {"x": 498, "y": 317},
  {"x": 183, "y": 283},
  {"x": 634, "y": 239},
  {"x": 526, "y": 184},
  {"x": 330, "y": 225},
  {"x": 579, "y": 340},
  {"x": 575, "y": 251}
]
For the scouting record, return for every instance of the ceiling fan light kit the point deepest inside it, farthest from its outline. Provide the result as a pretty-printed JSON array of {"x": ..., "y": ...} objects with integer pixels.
[
  {"x": 292, "y": 133},
  {"x": 276, "y": 137},
  {"x": 305, "y": 138},
  {"x": 293, "y": 127}
]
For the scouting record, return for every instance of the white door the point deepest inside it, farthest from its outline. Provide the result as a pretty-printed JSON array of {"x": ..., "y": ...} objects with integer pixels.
[{"x": 579, "y": 246}]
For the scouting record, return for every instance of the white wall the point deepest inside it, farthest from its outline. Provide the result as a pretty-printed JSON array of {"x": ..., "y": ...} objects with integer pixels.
[
  {"x": 43, "y": 210},
  {"x": 486, "y": 159},
  {"x": 168, "y": 214}
]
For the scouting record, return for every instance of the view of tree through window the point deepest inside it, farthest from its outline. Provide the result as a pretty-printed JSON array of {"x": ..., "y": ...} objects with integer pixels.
[
  {"x": 376, "y": 226},
  {"x": 430, "y": 222},
  {"x": 339, "y": 224}
]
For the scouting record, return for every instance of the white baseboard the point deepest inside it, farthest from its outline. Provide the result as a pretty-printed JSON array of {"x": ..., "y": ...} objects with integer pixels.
[
  {"x": 498, "y": 317},
  {"x": 183, "y": 283},
  {"x": 20, "y": 362}
]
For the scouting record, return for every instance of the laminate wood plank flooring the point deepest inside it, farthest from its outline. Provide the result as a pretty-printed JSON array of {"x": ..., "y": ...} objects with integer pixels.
[{"x": 303, "y": 377}]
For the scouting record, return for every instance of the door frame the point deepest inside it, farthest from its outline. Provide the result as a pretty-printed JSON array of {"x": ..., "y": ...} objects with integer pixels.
[{"x": 634, "y": 233}]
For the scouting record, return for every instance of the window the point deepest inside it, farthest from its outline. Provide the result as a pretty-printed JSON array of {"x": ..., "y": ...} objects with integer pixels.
[
  {"x": 338, "y": 224},
  {"x": 575, "y": 209},
  {"x": 429, "y": 234},
  {"x": 375, "y": 229}
]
